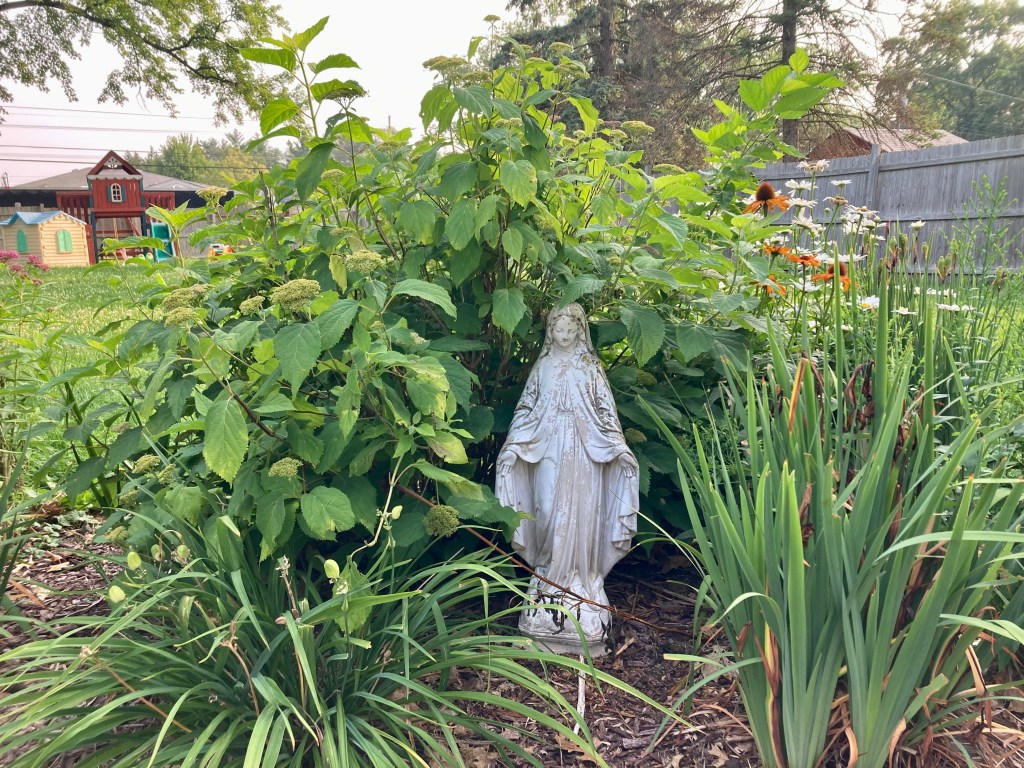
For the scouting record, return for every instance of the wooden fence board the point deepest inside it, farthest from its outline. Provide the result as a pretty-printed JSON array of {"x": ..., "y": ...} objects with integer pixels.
[{"x": 939, "y": 186}]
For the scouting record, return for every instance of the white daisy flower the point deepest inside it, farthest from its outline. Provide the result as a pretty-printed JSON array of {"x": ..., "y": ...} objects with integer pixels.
[
  {"x": 803, "y": 185},
  {"x": 806, "y": 286},
  {"x": 843, "y": 258},
  {"x": 806, "y": 222},
  {"x": 813, "y": 166},
  {"x": 868, "y": 302}
]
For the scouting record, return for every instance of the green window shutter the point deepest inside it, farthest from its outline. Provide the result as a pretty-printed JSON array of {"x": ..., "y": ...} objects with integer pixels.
[
  {"x": 63, "y": 241},
  {"x": 22, "y": 241}
]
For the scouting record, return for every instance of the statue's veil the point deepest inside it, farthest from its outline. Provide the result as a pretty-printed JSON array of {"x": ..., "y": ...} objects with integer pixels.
[{"x": 577, "y": 313}]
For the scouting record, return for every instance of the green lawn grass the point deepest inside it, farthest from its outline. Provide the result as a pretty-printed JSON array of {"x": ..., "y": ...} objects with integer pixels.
[{"x": 45, "y": 331}]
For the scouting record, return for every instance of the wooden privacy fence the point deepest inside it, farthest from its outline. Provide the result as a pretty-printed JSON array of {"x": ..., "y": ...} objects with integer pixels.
[{"x": 939, "y": 186}]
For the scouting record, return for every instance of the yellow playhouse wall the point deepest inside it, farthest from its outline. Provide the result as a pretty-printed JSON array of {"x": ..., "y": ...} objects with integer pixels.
[
  {"x": 9, "y": 236},
  {"x": 42, "y": 241},
  {"x": 78, "y": 256}
]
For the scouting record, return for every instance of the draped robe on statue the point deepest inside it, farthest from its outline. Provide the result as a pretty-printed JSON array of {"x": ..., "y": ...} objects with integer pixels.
[{"x": 582, "y": 500}]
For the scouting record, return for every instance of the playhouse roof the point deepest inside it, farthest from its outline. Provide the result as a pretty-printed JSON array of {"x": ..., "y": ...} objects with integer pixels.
[{"x": 36, "y": 217}]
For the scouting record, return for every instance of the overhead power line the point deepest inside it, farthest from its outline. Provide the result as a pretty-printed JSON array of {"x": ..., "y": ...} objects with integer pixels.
[
  {"x": 972, "y": 87},
  {"x": 144, "y": 165},
  {"x": 79, "y": 149},
  {"x": 115, "y": 112},
  {"x": 105, "y": 129}
]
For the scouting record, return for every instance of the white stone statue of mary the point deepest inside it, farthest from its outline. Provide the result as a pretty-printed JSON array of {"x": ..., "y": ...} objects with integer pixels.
[{"x": 565, "y": 463}]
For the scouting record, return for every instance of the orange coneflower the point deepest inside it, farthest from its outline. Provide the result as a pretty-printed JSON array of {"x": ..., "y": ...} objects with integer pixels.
[
  {"x": 776, "y": 249},
  {"x": 770, "y": 286},
  {"x": 830, "y": 274},
  {"x": 804, "y": 259},
  {"x": 765, "y": 199}
]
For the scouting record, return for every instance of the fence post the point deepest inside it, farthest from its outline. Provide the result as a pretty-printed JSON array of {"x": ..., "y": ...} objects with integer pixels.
[{"x": 874, "y": 187}]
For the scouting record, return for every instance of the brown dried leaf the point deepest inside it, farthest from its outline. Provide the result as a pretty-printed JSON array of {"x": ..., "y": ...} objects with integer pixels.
[
  {"x": 718, "y": 753},
  {"x": 564, "y": 744},
  {"x": 478, "y": 757}
]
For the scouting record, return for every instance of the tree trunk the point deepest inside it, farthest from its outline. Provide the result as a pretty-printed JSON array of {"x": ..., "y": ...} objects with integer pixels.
[
  {"x": 790, "y": 15},
  {"x": 606, "y": 40}
]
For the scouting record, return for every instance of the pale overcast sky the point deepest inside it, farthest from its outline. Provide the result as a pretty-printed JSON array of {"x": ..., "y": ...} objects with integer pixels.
[
  {"x": 389, "y": 40},
  {"x": 44, "y": 135}
]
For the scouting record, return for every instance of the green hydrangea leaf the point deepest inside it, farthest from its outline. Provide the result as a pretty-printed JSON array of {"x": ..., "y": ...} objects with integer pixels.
[
  {"x": 461, "y": 225},
  {"x": 645, "y": 331},
  {"x": 508, "y": 308},
  {"x": 326, "y": 511},
  {"x": 421, "y": 289},
  {"x": 226, "y": 437},
  {"x": 335, "y": 320},
  {"x": 417, "y": 218},
  {"x": 519, "y": 179},
  {"x": 297, "y": 348},
  {"x": 449, "y": 447}
]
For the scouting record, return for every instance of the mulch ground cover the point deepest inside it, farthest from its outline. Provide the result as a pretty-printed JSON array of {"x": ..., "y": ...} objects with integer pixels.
[{"x": 66, "y": 581}]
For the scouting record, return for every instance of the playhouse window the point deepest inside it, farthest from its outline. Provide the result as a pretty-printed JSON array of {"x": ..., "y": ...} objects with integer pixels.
[
  {"x": 116, "y": 194},
  {"x": 63, "y": 241},
  {"x": 22, "y": 239}
]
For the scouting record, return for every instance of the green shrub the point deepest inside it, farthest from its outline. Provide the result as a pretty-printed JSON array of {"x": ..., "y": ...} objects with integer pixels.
[
  {"x": 385, "y": 299},
  {"x": 59, "y": 373}
]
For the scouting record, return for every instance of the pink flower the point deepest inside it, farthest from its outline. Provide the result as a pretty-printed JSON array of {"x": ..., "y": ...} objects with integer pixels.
[
  {"x": 19, "y": 265},
  {"x": 38, "y": 263}
]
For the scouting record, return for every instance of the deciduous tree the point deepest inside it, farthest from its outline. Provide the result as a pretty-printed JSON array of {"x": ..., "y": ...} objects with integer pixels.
[
  {"x": 219, "y": 162},
  {"x": 165, "y": 47},
  {"x": 958, "y": 66}
]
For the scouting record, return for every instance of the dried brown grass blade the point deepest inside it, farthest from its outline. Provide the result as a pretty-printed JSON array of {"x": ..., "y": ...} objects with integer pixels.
[
  {"x": 798, "y": 380},
  {"x": 896, "y": 737},
  {"x": 979, "y": 686}
]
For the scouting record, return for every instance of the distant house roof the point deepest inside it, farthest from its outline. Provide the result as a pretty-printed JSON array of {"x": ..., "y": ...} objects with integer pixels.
[
  {"x": 78, "y": 181},
  {"x": 904, "y": 139},
  {"x": 37, "y": 217},
  {"x": 858, "y": 141}
]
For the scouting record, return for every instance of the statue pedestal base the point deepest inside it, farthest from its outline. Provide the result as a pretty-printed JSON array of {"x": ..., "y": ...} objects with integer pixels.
[
  {"x": 563, "y": 645},
  {"x": 549, "y": 621}
]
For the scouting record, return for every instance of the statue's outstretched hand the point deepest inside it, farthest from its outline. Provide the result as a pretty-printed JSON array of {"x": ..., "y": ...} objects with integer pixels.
[
  {"x": 505, "y": 462},
  {"x": 628, "y": 462}
]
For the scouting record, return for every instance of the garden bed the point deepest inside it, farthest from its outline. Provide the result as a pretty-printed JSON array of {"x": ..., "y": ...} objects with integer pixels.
[{"x": 64, "y": 582}]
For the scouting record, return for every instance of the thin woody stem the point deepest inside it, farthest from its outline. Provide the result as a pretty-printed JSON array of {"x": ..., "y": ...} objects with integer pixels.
[{"x": 520, "y": 564}]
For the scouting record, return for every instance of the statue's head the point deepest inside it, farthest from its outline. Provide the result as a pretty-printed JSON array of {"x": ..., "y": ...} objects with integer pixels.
[{"x": 562, "y": 321}]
